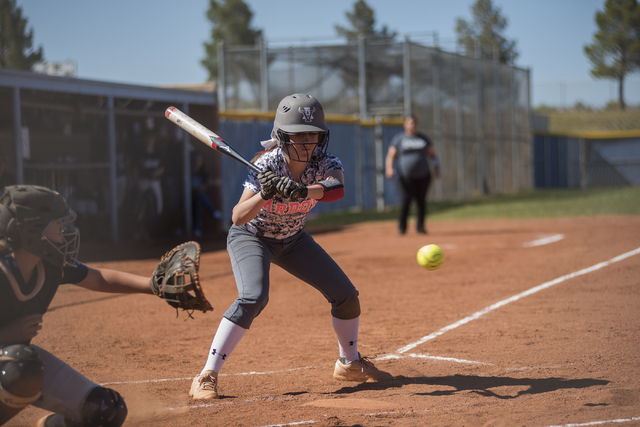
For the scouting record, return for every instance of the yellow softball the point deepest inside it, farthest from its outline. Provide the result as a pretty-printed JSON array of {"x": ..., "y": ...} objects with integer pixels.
[{"x": 430, "y": 257}]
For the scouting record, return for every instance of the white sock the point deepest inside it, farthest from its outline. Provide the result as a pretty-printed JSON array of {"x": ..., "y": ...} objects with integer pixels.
[
  {"x": 347, "y": 332},
  {"x": 226, "y": 339}
]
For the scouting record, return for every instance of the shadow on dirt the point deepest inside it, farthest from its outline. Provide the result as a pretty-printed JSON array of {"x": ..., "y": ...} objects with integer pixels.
[
  {"x": 97, "y": 252},
  {"x": 481, "y": 385}
]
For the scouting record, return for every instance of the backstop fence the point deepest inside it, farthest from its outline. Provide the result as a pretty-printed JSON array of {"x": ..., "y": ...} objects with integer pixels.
[{"x": 475, "y": 110}]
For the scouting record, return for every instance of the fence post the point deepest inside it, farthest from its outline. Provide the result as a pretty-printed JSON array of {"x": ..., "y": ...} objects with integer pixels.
[
  {"x": 459, "y": 146},
  {"x": 264, "y": 77},
  {"x": 362, "y": 78},
  {"x": 359, "y": 178},
  {"x": 515, "y": 152},
  {"x": 479, "y": 119},
  {"x": 437, "y": 125},
  {"x": 17, "y": 134},
  {"x": 379, "y": 164},
  {"x": 406, "y": 71},
  {"x": 498, "y": 122},
  {"x": 221, "y": 90},
  {"x": 584, "y": 162}
]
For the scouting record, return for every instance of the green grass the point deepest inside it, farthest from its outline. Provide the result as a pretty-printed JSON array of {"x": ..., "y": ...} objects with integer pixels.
[
  {"x": 525, "y": 204},
  {"x": 572, "y": 121}
]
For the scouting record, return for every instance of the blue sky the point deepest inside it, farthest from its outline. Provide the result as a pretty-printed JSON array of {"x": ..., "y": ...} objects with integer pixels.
[{"x": 157, "y": 42}]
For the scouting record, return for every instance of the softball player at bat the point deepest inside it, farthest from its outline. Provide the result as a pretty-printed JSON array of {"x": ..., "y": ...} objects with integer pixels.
[
  {"x": 38, "y": 247},
  {"x": 268, "y": 227}
]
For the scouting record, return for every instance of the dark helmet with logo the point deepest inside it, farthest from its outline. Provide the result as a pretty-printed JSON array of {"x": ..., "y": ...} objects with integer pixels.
[
  {"x": 40, "y": 221},
  {"x": 300, "y": 113}
]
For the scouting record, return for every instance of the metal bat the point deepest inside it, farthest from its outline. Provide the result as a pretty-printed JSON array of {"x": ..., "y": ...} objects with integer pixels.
[{"x": 207, "y": 136}]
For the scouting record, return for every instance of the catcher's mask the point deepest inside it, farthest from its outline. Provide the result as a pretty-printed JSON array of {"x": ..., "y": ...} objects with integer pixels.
[
  {"x": 300, "y": 114},
  {"x": 39, "y": 220}
]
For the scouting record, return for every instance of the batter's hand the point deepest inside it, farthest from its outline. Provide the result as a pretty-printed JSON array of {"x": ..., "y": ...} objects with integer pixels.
[
  {"x": 291, "y": 189},
  {"x": 267, "y": 181},
  {"x": 21, "y": 330}
]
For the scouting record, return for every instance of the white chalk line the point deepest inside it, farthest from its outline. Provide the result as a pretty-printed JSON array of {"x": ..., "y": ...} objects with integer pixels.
[
  {"x": 538, "y": 242},
  {"x": 222, "y": 375},
  {"x": 517, "y": 297},
  {"x": 427, "y": 356},
  {"x": 595, "y": 423},
  {"x": 544, "y": 241},
  {"x": 292, "y": 424},
  {"x": 592, "y": 423}
]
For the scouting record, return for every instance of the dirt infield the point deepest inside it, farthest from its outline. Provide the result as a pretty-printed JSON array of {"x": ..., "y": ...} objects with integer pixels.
[{"x": 467, "y": 344}]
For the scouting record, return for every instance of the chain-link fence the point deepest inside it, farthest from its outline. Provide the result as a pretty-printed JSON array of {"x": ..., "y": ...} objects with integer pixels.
[{"x": 475, "y": 110}]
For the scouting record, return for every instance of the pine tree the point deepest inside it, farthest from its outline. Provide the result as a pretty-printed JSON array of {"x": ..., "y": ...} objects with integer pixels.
[
  {"x": 362, "y": 21},
  {"x": 231, "y": 21},
  {"x": 16, "y": 41},
  {"x": 486, "y": 30},
  {"x": 615, "y": 51}
]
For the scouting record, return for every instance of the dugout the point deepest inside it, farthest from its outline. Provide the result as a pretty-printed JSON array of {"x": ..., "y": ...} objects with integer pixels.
[{"x": 78, "y": 137}]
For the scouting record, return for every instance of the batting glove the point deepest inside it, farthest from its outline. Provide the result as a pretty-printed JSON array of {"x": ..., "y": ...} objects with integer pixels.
[
  {"x": 291, "y": 189},
  {"x": 267, "y": 180}
]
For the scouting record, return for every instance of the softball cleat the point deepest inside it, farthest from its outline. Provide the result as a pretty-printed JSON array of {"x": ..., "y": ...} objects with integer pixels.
[
  {"x": 205, "y": 386},
  {"x": 361, "y": 370}
]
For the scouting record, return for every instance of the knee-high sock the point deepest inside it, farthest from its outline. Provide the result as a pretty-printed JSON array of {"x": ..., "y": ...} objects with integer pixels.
[
  {"x": 347, "y": 332},
  {"x": 226, "y": 339}
]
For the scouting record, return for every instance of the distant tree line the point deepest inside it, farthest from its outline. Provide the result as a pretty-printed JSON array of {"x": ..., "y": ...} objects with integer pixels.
[{"x": 614, "y": 52}]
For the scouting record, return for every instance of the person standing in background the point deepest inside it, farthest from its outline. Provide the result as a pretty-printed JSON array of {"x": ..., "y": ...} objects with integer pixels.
[
  {"x": 412, "y": 150},
  {"x": 199, "y": 197}
]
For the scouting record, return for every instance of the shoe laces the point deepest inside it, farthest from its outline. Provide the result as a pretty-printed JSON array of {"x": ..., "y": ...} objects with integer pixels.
[
  {"x": 365, "y": 363},
  {"x": 208, "y": 382}
]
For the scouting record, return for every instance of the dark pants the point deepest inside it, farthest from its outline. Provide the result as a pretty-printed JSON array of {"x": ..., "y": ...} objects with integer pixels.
[
  {"x": 251, "y": 259},
  {"x": 201, "y": 201},
  {"x": 416, "y": 190}
]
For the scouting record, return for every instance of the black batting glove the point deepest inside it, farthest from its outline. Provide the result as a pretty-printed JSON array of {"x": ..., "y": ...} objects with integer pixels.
[
  {"x": 291, "y": 189},
  {"x": 267, "y": 181}
]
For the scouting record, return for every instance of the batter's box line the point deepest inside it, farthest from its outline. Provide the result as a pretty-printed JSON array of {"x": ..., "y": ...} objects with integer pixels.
[
  {"x": 160, "y": 380},
  {"x": 427, "y": 356},
  {"x": 597, "y": 423}
]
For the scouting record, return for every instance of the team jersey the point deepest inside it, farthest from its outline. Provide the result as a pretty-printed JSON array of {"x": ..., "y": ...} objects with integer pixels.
[
  {"x": 412, "y": 155},
  {"x": 19, "y": 299},
  {"x": 280, "y": 217}
]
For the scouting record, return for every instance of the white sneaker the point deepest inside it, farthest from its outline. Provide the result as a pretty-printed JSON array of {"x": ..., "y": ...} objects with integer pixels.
[
  {"x": 205, "y": 386},
  {"x": 359, "y": 370}
]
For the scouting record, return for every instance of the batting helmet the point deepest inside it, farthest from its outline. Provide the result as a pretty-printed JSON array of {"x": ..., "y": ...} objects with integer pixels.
[
  {"x": 39, "y": 220},
  {"x": 300, "y": 113}
]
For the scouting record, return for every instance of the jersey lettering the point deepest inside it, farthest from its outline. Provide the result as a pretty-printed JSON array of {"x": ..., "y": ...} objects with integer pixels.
[
  {"x": 289, "y": 208},
  {"x": 293, "y": 207},
  {"x": 281, "y": 209}
]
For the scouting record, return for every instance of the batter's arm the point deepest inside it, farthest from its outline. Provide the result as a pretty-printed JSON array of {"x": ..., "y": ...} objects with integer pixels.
[
  {"x": 247, "y": 207},
  {"x": 113, "y": 281},
  {"x": 317, "y": 191}
]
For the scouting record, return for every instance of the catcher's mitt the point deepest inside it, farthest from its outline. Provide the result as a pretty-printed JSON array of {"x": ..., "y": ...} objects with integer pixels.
[{"x": 176, "y": 275}]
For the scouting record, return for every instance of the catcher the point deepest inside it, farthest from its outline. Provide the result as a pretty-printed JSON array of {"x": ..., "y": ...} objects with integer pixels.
[{"x": 38, "y": 250}]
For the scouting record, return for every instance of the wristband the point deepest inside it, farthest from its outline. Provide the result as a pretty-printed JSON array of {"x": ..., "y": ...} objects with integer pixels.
[{"x": 333, "y": 189}]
